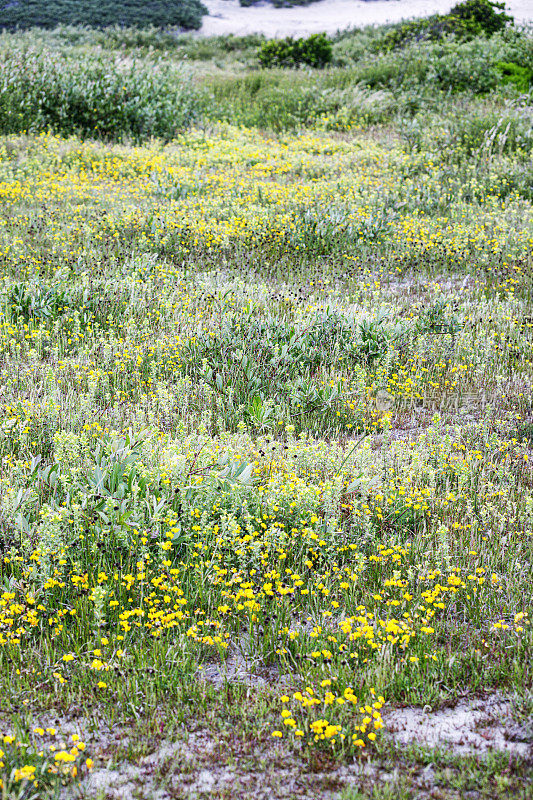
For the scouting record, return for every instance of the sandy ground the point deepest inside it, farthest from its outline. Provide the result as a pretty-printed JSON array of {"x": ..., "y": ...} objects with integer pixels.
[
  {"x": 227, "y": 16},
  {"x": 195, "y": 766},
  {"x": 473, "y": 727}
]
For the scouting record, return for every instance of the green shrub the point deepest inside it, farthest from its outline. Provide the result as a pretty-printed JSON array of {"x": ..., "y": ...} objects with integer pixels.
[
  {"x": 315, "y": 51},
  {"x": 464, "y": 67},
  {"x": 354, "y": 45},
  {"x": 101, "y": 13},
  {"x": 448, "y": 66},
  {"x": 465, "y": 21},
  {"x": 92, "y": 96},
  {"x": 481, "y": 16},
  {"x": 515, "y": 74}
]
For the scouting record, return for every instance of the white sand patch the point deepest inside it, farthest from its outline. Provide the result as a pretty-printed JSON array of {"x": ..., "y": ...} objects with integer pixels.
[
  {"x": 469, "y": 728},
  {"x": 114, "y": 784},
  {"x": 227, "y": 16}
]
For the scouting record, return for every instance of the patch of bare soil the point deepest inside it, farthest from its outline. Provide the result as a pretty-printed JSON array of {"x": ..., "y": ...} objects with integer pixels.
[
  {"x": 201, "y": 767},
  {"x": 195, "y": 764},
  {"x": 473, "y": 727}
]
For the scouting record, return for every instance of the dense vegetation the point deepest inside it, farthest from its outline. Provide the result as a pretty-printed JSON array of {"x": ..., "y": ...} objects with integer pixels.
[
  {"x": 79, "y": 81},
  {"x": 266, "y": 414},
  {"x": 94, "y": 97},
  {"x": 315, "y": 51},
  {"x": 465, "y": 21},
  {"x": 22, "y": 14}
]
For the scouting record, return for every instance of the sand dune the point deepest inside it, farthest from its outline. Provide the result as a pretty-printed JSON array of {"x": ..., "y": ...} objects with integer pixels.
[{"x": 227, "y": 16}]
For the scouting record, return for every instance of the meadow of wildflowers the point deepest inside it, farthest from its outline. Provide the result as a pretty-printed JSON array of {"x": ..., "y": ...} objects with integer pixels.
[{"x": 265, "y": 446}]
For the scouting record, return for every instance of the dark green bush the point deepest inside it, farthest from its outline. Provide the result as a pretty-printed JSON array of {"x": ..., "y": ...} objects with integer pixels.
[
  {"x": 465, "y": 21},
  {"x": 446, "y": 66},
  {"x": 315, "y": 51},
  {"x": 481, "y": 16},
  {"x": 22, "y": 14}
]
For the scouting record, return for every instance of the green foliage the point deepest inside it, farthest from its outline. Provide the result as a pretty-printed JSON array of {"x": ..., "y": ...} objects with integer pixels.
[
  {"x": 51, "y": 305},
  {"x": 266, "y": 100},
  {"x": 108, "y": 489},
  {"x": 256, "y": 365},
  {"x": 42, "y": 303},
  {"x": 315, "y": 51},
  {"x": 481, "y": 16},
  {"x": 515, "y": 74},
  {"x": 92, "y": 96},
  {"x": 141, "y": 42},
  {"x": 465, "y": 20},
  {"x": 484, "y": 135},
  {"x": 63, "y": 82},
  {"x": 219, "y": 47},
  {"x": 446, "y": 66},
  {"x": 524, "y": 433},
  {"x": 160, "y": 415},
  {"x": 436, "y": 319},
  {"x": 101, "y": 13}
]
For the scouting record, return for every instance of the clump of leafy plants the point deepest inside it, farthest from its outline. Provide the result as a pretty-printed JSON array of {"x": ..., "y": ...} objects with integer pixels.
[
  {"x": 92, "y": 95},
  {"x": 314, "y": 51}
]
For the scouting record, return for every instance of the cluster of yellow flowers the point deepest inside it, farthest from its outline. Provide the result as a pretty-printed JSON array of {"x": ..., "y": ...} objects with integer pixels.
[
  {"x": 40, "y": 760},
  {"x": 232, "y": 186},
  {"x": 322, "y": 700}
]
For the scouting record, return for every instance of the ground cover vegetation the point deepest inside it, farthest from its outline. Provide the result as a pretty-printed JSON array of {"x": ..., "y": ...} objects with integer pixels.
[{"x": 266, "y": 429}]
